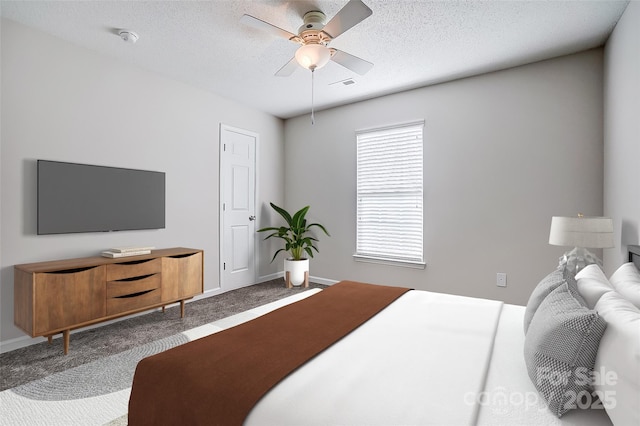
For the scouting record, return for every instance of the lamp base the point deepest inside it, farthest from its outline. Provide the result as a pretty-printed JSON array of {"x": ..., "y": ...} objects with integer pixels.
[{"x": 573, "y": 261}]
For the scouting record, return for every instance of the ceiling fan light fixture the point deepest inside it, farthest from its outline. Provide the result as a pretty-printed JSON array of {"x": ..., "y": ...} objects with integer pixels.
[{"x": 313, "y": 56}]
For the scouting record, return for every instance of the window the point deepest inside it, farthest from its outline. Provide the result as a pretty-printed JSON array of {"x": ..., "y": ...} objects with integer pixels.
[{"x": 389, "y": 195}]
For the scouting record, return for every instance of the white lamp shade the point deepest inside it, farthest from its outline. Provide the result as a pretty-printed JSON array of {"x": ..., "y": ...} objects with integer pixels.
[
  {"x": 313, "y": 56},
  {"x": 587, "y": 232}
]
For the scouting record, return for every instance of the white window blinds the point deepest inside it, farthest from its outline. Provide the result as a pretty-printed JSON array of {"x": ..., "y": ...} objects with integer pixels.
[{"x": 389, "y": 193}]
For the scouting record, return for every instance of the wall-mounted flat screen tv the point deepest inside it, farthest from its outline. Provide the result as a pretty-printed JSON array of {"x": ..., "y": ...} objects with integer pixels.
[{"x": 86, "y": 198}]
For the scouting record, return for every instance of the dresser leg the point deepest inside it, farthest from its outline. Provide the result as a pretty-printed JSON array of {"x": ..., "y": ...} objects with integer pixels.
[
  {"x": 182, "y": 309},
  {"x": 65, "y": 337},
  {"x": 50, "y": 339}
]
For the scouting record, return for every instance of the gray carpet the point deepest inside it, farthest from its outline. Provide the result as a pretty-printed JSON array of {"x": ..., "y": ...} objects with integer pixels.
[{"x": 38, "y": 361}]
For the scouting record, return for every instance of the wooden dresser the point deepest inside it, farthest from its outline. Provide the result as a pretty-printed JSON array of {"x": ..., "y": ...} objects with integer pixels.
[{"x": 60, "y": 296}]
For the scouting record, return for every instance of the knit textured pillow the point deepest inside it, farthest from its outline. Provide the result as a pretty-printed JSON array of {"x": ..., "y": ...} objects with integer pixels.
[
  {"x": 560, "y": 349},
  {"x": 549, "y": 283}
]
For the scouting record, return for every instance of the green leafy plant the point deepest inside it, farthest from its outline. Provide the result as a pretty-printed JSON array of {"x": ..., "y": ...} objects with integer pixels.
[{"x": 295, "y": 235}]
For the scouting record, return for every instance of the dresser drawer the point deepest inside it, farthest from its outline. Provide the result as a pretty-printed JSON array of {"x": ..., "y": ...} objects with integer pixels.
[
  {"x": 129, "y": 286},
  {"x": 132, "y": 302},
  {"x": 118, "y": 271}
]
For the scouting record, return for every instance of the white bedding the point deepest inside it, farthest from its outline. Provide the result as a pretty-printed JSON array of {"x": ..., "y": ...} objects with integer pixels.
[
  {"x": 510, "y": 396},
  {"x": 427, "y": 359},
  {"x": 412, "y": 363}
]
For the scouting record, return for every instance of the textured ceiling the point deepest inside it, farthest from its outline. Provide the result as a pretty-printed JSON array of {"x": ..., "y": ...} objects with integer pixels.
[{"x": 411, "y": 43}]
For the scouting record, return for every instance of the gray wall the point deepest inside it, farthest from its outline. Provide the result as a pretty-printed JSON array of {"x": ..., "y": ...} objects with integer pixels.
[
  {"x": 622, "y": 134},
  {"x": 504, "y": 152},
  {"x": 63, "y": 102}
]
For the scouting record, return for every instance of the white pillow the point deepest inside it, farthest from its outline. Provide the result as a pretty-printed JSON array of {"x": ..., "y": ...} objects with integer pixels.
[
  {"x": 592, "y": 284},
  {"x": 618, "y": 361},
  {"x": 626, "y": 281}
]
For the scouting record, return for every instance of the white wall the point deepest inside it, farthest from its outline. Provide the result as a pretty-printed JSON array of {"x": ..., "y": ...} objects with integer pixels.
[
  {"x": 62, "y": 102},
  {"x": 504, "y": 152},
  {"x": 622, "y": 134}
]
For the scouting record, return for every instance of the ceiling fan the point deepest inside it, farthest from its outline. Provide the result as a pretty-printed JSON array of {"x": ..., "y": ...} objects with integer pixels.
[{"x": 314, "y": 37}]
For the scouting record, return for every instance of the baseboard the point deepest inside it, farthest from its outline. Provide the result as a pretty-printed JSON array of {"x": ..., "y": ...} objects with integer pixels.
[
  {"x": 323, "y": 281},
  {"x": 270, "y": 277},
  {"x": 317, "y": 280},
  {"x": 19, "y": 342}
]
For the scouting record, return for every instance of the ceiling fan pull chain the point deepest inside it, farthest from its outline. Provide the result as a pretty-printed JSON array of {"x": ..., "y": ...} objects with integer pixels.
[{"x": 313, "y": 120}]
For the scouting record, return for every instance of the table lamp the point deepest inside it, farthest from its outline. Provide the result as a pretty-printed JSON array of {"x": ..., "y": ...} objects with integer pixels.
[{"x": 580, "y": 232}]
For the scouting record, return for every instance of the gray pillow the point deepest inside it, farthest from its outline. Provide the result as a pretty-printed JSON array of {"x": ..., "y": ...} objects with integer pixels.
[
  {"x": 542, "y": 290},
  {"x": 560, "y": 349}
]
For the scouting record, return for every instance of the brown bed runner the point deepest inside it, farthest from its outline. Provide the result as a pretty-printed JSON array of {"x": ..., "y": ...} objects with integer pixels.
[{"x": 218, "y": 379}]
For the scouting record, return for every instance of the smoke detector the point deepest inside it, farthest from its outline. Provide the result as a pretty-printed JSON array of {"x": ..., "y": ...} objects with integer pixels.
[{"x": 128, "y": 36}]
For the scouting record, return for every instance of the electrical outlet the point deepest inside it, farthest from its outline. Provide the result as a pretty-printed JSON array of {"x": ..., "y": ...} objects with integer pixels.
[{"x": 501, "y": 279}]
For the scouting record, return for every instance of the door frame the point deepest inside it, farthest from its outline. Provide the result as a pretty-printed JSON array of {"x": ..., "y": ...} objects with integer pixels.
[{"x": 256, "y": 191}]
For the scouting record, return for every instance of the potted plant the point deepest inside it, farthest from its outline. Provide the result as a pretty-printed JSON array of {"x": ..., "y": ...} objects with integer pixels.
[{"x": 297, "y": 241}]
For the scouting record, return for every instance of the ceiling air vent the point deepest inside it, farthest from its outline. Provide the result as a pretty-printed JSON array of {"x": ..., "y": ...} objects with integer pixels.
[{"x": 347, "y": 82}]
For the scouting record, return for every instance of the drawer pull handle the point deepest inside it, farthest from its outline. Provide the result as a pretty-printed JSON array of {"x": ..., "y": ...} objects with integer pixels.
[
  {"x": 135, "y": 262},
  {"x": 73, "y": 271},
  {"x": 141, "y": 277},
  {"x": 140, "y": 293},
  {"x": 182, "y": 256}
]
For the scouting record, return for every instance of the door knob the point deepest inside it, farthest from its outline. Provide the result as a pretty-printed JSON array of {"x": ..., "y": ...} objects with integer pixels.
[{"x": 252, "y": 218}]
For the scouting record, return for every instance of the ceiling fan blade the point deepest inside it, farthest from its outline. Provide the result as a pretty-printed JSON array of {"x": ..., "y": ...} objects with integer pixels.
[
  {"x": 351, "y": 14},
  {"x": 265, "y": 26},
  {"x": 351, "y": 62},
  {"x": 288, "y": 68}
]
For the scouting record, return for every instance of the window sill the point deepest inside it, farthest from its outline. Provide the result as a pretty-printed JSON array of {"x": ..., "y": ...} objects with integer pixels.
[{"x": 390, "y": 262}]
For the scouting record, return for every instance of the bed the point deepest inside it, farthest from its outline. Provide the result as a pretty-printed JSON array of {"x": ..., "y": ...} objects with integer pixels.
[{"x": 422, "y": 359}]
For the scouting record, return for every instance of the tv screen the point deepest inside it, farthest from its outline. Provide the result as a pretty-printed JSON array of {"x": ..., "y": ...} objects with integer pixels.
[{"x": 85, "y": 198}]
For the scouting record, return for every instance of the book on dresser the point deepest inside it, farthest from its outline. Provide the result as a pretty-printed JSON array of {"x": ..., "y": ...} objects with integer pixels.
[
  {"x": 129, "y": 249},
  {"x": 115, "y": 254}
]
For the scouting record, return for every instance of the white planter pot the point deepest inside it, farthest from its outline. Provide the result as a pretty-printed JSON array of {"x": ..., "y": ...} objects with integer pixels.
[{"x": 296, "y": 269}]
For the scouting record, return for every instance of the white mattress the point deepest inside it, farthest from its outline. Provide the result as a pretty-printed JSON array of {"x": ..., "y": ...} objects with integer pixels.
[{"x": 427, "y": 359}]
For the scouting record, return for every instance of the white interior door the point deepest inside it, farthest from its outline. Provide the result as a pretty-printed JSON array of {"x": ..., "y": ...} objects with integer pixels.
[{"x": 237, "y": 198}]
